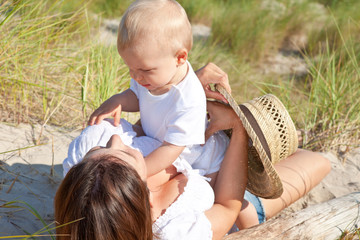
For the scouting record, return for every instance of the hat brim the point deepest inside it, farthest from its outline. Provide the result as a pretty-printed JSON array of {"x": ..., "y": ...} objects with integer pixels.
[{"x": 263, "y": 180}]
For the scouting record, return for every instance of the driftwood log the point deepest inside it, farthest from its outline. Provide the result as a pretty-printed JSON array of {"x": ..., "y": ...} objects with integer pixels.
[{"x": 326, "y": 220}]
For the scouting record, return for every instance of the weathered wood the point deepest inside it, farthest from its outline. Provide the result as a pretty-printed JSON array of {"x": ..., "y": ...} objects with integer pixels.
[{"x": 321, "y": 221}]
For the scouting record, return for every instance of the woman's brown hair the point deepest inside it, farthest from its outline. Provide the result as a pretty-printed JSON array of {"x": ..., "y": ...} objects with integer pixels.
[{"x": 107, "y": 200}]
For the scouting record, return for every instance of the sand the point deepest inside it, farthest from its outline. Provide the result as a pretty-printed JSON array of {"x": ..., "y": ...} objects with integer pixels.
[
  {"x": 31, "y": 174},
  {"x": 35, "y": 182}
]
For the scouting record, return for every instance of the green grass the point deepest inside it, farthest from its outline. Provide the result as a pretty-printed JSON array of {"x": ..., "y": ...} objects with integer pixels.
[
  {"x": 47, "y": 64},
  {"x": 107, "y": 71},
  {"x": 47, "y": 230},
  {"x": 37, "y": 59},
  {"x": 53, "y": 70},
  {"x": 110, "y": 8},
  {"x": 334, "y": 96}
]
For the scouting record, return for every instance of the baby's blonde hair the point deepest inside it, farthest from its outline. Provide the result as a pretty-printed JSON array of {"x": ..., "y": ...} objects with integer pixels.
[{"x": 164, "y": 21}]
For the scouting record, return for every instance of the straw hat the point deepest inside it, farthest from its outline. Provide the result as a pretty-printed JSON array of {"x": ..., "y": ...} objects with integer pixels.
[{"x": 273, "y": 137}]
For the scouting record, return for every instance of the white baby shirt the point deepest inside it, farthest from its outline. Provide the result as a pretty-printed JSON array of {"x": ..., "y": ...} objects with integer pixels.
[{"x": 177, "y": 116}]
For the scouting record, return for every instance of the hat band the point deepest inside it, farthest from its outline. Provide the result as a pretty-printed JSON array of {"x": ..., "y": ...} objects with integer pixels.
[{"x": 256, "y": 129}]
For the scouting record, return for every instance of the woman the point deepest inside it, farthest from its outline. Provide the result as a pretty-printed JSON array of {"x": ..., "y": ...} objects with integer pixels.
[
  {"x": 109, "y": 190},
  {"x": 106, "y": 193}
]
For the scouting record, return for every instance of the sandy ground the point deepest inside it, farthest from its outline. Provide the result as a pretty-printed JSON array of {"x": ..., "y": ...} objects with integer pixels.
[
  {"x": 30, "y": 175},
  {"x": 26, "y": 175}
]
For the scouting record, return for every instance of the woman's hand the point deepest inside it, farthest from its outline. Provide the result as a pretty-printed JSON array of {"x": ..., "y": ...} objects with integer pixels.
[
  {"x": 221, "y": 117},
  {"x": 209, "y": 74}
]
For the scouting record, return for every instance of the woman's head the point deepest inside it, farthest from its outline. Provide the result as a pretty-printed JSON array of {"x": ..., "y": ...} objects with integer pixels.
[
  {"x": 117, "y": 148},
  {"x": 106, "y": 195}
]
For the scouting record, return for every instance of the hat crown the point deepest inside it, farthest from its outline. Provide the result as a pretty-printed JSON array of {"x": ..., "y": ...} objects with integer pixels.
[
  {"x": 273, "y": 137},
  {"x": 276, "y": 124}
]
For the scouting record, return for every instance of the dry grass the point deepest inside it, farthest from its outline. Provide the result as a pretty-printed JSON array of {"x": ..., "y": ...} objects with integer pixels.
[{"x": 53, "y": 71}]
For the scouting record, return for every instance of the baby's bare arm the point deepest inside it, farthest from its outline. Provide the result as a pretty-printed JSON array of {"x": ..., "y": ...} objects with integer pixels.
[
  {"x": 162, "y": 177},
  {"x": 162, "y": 157},
  {"x": 125, "y": 101}
]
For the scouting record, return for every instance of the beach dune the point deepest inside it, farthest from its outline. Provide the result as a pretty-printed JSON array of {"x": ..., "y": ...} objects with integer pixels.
[{"x": 31, "y": 170}]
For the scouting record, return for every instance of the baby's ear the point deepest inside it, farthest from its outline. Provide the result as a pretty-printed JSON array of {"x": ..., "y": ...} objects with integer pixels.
[{"x": 181, "y": 56}]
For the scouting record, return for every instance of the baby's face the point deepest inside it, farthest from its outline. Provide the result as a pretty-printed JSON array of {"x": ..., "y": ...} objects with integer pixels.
[{"x": 154, "y": 68}]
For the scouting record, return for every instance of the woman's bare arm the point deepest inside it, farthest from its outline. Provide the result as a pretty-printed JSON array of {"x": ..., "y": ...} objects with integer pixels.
[{"x": 232, "y": 178}]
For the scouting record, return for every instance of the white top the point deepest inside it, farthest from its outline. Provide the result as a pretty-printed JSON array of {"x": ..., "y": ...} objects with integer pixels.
[
  {"x": 177, "y": 116},
  {"x": 183, "y": 219},
  {"x": 205, "y": 159},
  {"x": 99, "y": 135}
]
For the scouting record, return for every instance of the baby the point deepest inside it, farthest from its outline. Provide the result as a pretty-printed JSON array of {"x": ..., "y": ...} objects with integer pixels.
[{"x": 154, "y": 40}]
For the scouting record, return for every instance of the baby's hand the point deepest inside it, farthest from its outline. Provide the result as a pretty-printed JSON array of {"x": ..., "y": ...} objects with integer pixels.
[
  {"x": 211, "y": 73},
  {"x": 109, "y": 108}
]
